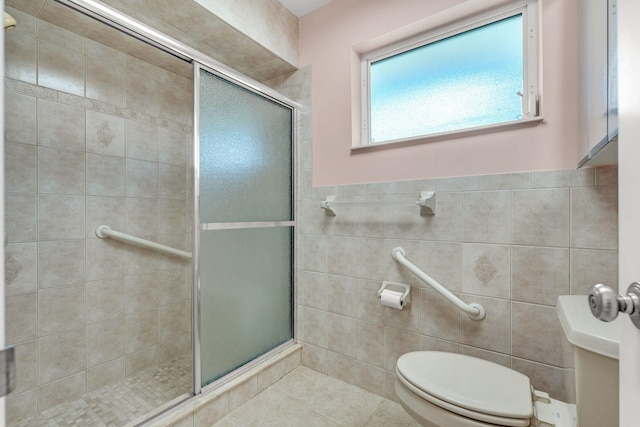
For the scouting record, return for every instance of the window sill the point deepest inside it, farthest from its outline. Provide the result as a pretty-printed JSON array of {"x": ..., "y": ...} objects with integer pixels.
[{"x": 534, "y": 121}]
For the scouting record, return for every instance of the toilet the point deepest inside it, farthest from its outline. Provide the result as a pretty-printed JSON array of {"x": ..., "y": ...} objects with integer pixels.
[{"x": 440, "y": 389}]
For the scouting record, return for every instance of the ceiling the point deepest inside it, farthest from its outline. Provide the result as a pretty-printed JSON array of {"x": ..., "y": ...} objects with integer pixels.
[{"x": 302, "y": 7}]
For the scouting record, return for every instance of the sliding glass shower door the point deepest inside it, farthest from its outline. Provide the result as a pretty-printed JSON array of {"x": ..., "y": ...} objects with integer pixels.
[{"x": 245, "y": 210}]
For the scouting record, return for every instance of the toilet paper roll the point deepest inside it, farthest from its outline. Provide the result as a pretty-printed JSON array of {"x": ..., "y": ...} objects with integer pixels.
[{"x": 391, "y": 299}]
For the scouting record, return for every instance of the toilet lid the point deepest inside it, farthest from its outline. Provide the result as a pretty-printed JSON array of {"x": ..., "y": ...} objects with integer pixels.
[{"x": 468, "y": 382}]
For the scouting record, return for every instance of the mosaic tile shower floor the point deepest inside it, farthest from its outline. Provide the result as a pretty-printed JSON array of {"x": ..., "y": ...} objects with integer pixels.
[{"x": 120, "y": 403}]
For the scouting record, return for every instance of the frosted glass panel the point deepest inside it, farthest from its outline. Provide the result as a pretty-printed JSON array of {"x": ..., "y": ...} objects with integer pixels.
[
  {"x": 245, "y": 280},
  {"x": 467, "y": 80},
  {"x": 245, "y": 154}
]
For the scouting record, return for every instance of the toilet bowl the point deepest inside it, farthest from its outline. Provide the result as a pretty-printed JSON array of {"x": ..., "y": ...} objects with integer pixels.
[{"x": 441, "y": 389}]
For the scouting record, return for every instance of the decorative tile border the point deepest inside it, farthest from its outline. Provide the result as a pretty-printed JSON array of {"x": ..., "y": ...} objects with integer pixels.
[{"x": 40, "y": 92}]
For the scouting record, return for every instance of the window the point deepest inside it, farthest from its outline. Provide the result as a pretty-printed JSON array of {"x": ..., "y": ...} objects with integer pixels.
[{"x": 471, "y": 76}]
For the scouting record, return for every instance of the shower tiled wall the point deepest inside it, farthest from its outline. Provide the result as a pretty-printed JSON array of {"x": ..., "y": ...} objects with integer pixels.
[
  {"x": 93, "y": 136},
  {"x": 512, "y": 243}
]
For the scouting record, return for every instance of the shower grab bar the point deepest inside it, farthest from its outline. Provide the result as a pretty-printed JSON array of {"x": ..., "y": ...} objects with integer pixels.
[
  {"x": 104, "y": 231},
  {"x": 474, "y": 310}
]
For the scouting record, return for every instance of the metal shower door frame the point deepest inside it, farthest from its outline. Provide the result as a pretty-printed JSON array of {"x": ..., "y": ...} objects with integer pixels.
[{"x": 198, "y": 227}]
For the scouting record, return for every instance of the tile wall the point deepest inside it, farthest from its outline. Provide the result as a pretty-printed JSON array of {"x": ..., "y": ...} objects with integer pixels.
[
  {"x": 93, "y": 136},
  {"x": 512, "y": 243}
]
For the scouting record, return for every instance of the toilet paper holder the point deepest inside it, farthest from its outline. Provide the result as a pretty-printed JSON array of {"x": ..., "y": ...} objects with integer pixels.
[{"x": 397, "y": 287}]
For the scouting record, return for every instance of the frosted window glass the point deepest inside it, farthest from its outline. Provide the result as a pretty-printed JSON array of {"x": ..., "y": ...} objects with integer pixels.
[
  {"x": 463, "y": 81},
  {"x": 245, "y": 154},
  {"x": 245, "y": 282}
]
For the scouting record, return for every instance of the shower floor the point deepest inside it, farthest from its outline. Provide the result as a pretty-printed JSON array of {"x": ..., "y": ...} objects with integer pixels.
[{"x": 122, "y": 402}]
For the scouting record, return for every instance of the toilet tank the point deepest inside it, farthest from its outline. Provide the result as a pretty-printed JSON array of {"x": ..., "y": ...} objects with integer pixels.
[{"x": 595, "y": 351}]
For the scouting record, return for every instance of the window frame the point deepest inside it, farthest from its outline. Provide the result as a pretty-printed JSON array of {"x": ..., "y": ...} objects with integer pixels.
[{"x": 531, "y": 64}]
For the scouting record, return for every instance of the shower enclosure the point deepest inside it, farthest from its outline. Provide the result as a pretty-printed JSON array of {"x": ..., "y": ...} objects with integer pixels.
[{"x": 103, "y": 129}]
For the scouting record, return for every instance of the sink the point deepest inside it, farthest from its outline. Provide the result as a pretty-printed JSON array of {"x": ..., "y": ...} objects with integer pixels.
[{"x": 585, "y": 331}]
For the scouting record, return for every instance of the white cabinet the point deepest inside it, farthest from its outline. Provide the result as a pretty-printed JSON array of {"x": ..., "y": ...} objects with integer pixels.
[{"x": 598, "y": 86}]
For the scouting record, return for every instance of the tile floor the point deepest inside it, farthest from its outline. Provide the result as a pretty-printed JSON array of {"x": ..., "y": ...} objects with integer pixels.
[
  {"x": 119, "y": 403},
  {"x": 302, "y": 398},
  {"x": 307, "y": 398}
]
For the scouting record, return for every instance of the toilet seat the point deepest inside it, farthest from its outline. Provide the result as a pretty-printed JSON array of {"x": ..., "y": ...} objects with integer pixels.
[{"x": 470, "y": 387}]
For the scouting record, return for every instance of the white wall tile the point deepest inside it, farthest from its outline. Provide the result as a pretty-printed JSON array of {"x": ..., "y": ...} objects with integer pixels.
[
  {"x": 20, "y": 56},
  {"x": 439, "y": 317},
  {"x": 340, "y": 334},
  {"x": 173, "y": 145},
  {"x": 105, "y": 77},
  {"x": 142, "y": 178},
  {"x": 446, "y": 224},
  {"x": 63, "y": 390},
  {"x": 20, "y": 168},
  {"x": 536, "y": 333},
  {"x": 142, "y": 293},
  {"x": 21, "y": 317},
  {"x": 61, "y": 217},
  {"x": 21, "y": 217},
  {"x": 105, "y": 259},
  {"x": 21, "y": 267},
  {"x": 106, "y": 342},
  {"x": 22, "y": 405},
  {"x": 541, "y": 217},
  {"x": 142, "y": 331},
  {"x": 594, "y": 217},
  {"x": 369, "y": 343},
  {"x": 60, "y": 309},
  {"x": 563, "y": 178},
  {"x": 172, "y": 181},
  {"x": 141, "y": 140},
  {"x": 142, "y": 217},
  {"x": 60, "y": 68},
  {"x": 20, "y": 118},
  {"x": 589, "y": 266},
  {"x": 104, "y": 211},
  {"x": 367, "y": 305},
  {"x": 494, "y": 331},
  {"x": 140, "y": 360},
  {"x": 340, "y": 255},
  {"x": 61, "y": 355},
  {"x": 340, "y": 295},
  {"x": 396, "y": 343},
  {"x": 60, "y": 172},
  {"x": 103, "y": 375},
  {"x": 106, "y": 299},
  {"x": 61, "y": 263},
  {"x": 486, "y": 216},
  {"x": 539, "y": 275},
  {"x": 27, "y": 369},
  {"x": 443, "y": 262}
]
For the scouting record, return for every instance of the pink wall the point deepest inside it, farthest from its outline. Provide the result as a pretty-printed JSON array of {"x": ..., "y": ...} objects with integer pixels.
[{"x": 329, "y": 38}]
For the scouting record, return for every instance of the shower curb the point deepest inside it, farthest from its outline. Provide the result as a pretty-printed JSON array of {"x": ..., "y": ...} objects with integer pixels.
[{"x": 210, "y": 407}]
